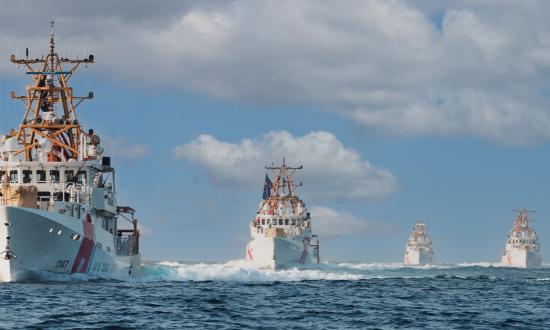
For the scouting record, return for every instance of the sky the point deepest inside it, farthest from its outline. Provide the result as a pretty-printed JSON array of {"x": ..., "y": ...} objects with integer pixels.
[{"x": 398, "y": 111}]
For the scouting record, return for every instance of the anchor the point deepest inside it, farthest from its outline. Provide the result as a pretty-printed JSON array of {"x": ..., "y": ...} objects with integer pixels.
[{"x": 8, "y": 254}]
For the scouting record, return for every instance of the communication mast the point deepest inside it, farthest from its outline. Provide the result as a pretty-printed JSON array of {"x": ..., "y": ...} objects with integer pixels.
[
  {"x": 283, "y": 184},
  {"x": 50, "y": 103},
  {"x": 523, "y": 222}
]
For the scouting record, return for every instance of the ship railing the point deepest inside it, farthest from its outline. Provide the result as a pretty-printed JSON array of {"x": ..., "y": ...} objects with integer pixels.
[
  {"x": 44, "y": 203},
  {"x": 122, "y": 246},
  {"x": 126, "y": 245},
  {"x": 127, "y": 241}
]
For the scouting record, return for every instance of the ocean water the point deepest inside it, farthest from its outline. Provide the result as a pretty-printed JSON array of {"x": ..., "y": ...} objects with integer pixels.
[{"x": 230, "y": 295}]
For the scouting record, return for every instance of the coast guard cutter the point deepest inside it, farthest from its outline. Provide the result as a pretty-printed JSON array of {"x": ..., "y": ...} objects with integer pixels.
[
  {"x": 419, "y": 246},
  {"x": 281, "y": 231},
  {"x": 523, "y": 245},
  {"x": 58, "y": 208}
]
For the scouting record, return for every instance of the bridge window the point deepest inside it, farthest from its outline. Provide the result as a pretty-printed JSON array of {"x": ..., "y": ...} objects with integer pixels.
[
  {"x": 293, "y": 222},
  {"x": 27, "y": 176},
  {"x": 286, "y": 222},
  {"x": 69, "y": 175},
  {"x": 14, "y": 178},
  {"x": 54, "y": 175},
  {"x": 280, "y": 222},
  {"x": 81, "y": 177},
  {"x": 41, "y": 176}
]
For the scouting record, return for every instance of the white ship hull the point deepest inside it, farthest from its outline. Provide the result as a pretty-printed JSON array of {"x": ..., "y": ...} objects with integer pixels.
[
  {"x": 417, "y": 257},
  {"x": 280, "y": 252},
  {"x": 41, "y": 241},
  {"x": 521, "y": 258}
]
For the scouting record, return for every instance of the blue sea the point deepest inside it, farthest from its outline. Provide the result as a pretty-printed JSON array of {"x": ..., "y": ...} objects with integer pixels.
[{"x": 176, "y": 295}]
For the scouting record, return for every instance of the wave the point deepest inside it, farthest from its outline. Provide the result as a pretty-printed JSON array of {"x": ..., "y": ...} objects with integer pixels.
[
  {"x": 481, "y": 264},
  {"x": 45, "y": 276},
  {"x": 241, "y": 271},
  {"x": 389, "y": 266}
]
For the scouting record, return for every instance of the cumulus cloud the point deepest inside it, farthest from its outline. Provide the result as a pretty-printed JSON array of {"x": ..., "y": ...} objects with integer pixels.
[
  {"x": 328, "y": 222},
  {"x": 477, "y": 68},
  {"x": 331, "y": 170}
]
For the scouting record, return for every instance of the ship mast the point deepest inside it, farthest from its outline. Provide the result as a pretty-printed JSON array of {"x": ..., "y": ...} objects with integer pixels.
[
  {"x": 420, "y": 227},
  {"x": 523, "y": 221},
  {"x": 283, "y": 184},
  {"x": 50, "y": 90}
]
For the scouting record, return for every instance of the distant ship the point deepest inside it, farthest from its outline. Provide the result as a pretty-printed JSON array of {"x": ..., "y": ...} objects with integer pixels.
[
  {"x": 419, "y": 246},
  {"x": 523, "y": 246},
  {"x": 281, "y": 231},
  {"x": 58, "y": 208}
]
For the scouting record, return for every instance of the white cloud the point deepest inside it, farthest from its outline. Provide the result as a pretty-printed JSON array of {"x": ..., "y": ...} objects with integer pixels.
[
  {"x": 483, "y": 70},
  {"x": 330, "y": 223},
  {"x": 331, "y": 170}
]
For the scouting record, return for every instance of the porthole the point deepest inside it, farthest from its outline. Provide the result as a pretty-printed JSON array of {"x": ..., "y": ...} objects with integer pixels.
[
  {"x": 59, "y": 232},
  {"x": 51, "y": 230}
]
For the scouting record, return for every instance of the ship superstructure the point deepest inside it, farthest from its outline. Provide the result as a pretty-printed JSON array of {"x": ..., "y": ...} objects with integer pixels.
[
  {"x": 58, "y": 208},
  {"x": 281, "y": 231},
  {"x": 419, "y": 246},
  {"x": 522, "y": 246}
]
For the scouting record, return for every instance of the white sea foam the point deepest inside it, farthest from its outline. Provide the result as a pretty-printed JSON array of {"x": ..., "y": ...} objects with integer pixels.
[
  {"x": 56, "y": 277},
  {"x": 493, "y": 264},
  {"x": 389, "y": 266},
  {"x": 480, "y": 264},
  {"x": 239, "y": 270}
]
